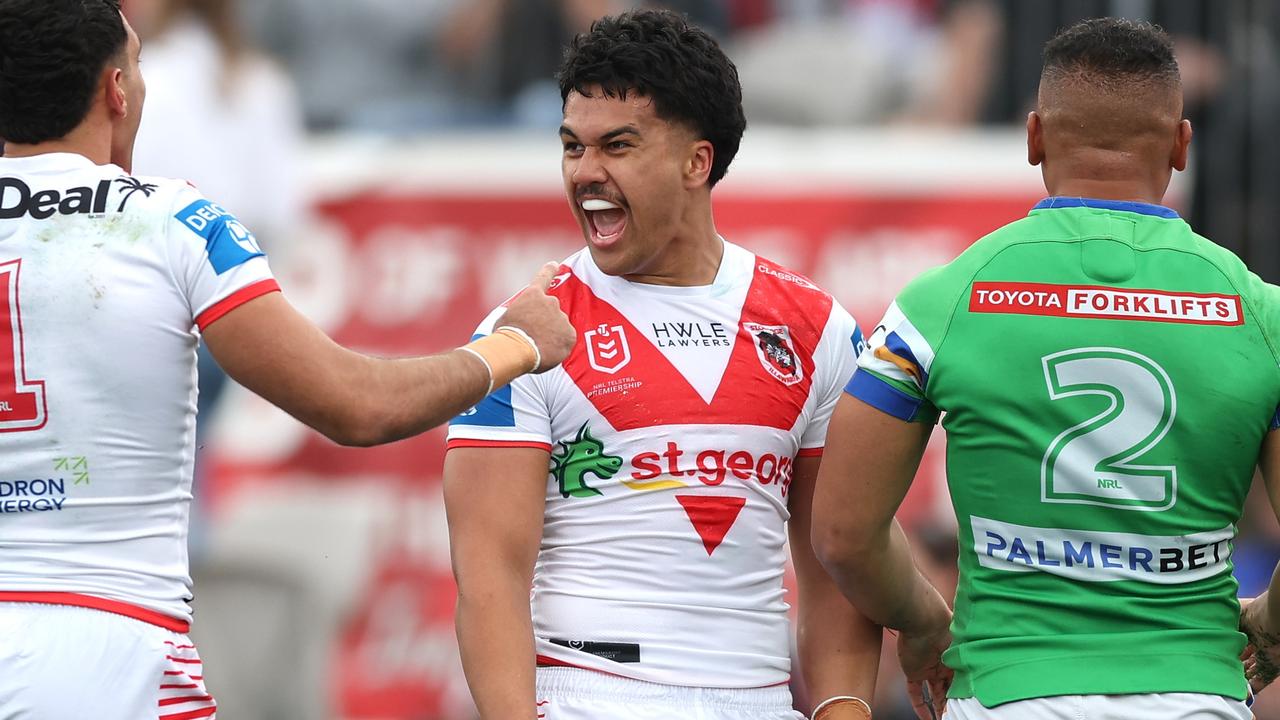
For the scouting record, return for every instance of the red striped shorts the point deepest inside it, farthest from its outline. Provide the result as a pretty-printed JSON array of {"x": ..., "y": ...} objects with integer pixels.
[{"x": 59, "y": 661}]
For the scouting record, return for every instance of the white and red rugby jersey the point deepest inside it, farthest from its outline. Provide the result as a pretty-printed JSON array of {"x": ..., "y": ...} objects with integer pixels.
[
  {"x": 104, "y": 279},
  {"x": 673, "y": 428}
]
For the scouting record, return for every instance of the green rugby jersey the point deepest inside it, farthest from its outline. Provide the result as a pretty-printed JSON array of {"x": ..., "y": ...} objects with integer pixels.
[{"x": 1105, "y": 377}]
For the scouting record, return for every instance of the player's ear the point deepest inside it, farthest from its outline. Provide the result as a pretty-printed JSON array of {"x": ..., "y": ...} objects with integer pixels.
[
  {"x": 1035, "y": 138},
  {"x": 697, "y": 167},
  {"x": 114, "y": 93},
  {"x": 1178, "y": 159}
]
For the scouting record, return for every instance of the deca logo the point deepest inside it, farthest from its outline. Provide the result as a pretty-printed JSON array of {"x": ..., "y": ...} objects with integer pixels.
[{"x": 607, "y": 348}]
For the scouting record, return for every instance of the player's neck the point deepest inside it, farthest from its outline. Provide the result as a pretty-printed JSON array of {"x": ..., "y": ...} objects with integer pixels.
[
  {"x": 91, "y": 145},
  {"x": 1109, "y": 189},
  {"x": 691, "y": 254},
  {"x": 691, "y": 259},
  {"x": 1107, "y": 174}
]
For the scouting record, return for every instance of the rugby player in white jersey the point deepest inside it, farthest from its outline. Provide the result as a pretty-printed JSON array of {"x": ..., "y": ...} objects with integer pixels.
[
  {"x": 645, "y": 489},
  {"x": 106, "y": 281}
]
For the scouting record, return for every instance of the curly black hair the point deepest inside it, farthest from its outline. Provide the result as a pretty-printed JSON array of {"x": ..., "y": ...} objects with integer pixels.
[
  {"x": 1112, "y": 47},
  {"x": 659, "y": 55},
  {"x": 51, "y": 54}
]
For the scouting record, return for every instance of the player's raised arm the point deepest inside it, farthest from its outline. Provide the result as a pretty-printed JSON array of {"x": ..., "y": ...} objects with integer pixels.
[{"x": 354, "y": 399}]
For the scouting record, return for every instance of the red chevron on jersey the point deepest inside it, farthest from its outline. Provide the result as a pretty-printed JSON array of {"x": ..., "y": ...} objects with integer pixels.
[
  {"x": 633, "y": 385},
  {"x": 673, "y": 429},
  {"x": 712, "y": 516}
]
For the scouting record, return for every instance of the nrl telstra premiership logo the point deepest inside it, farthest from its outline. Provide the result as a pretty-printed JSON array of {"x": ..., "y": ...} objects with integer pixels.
[{"x": 607, "y": 348}]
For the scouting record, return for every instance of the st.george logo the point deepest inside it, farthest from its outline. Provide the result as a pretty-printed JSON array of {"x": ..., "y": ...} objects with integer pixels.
[
  {"x": 607, "y": 348},
  {"x": 775, "y": 351}
]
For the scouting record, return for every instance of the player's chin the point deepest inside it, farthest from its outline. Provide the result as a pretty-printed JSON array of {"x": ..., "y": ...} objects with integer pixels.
[{"x": 611, "y": 258}]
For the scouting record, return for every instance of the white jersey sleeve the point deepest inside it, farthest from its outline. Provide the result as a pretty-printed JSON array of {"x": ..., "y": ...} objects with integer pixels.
[
  {"x": 216, "y": 261},
  {"x": 836, "y": 358},
  {"x": 517, "y": 415}
]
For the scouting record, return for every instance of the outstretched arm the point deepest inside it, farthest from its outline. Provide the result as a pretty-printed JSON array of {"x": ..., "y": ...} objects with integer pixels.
[
  {"x": 494, "y": 500},
  {"x": 354, "y": 399},
  {"x": 870, "y": 460}
]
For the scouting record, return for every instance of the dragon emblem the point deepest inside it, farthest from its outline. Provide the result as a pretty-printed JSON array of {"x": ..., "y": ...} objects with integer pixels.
[{"x": 574, "y": 459}]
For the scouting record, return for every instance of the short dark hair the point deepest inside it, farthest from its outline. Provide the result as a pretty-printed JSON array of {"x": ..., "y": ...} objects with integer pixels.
[
  {"x": 659, "y": 55},
  {"x": 1112, "y": 48},
  {"x": 51, "y": 54}
]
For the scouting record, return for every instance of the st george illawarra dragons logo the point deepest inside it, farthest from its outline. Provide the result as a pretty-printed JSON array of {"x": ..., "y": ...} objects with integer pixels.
[{"x": 776, "y": 352}]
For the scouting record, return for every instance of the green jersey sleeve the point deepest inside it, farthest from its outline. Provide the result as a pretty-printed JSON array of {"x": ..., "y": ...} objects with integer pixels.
[{"x": 893, "y": 369}]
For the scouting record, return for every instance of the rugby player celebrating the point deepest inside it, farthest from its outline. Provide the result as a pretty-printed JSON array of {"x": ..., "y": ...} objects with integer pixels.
[{"x": 645, "y": 489}]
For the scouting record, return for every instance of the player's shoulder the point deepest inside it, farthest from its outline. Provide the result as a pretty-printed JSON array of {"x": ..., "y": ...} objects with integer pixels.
[
  {"x": 788, "y": 281},
  {"x": 570, "y": 277},
  {"x": 1226, "y": 261},
  {"x": 157, "y": 199},
  {"x": 1261, "y": 299},
  {"x": 196, "y": 223},
  {"x": 157, "y": 194},
  {"x": 805, "y": 299}
]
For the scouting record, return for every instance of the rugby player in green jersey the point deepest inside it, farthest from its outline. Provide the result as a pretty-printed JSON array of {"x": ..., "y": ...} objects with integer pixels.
[{"x": 1108, "y": 380}]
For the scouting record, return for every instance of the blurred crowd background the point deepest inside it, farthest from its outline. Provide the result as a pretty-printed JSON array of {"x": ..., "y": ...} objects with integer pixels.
[{"x": 398, "y": 160}]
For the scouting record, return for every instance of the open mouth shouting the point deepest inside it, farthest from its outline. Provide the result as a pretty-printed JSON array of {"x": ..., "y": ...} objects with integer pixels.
[{"x": 607, "y": 220}]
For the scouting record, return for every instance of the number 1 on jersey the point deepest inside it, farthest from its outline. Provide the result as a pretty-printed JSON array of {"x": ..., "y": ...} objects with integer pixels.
[
  {"x": 22, "y": 401},
  {"x": 1092, "y": 463}
]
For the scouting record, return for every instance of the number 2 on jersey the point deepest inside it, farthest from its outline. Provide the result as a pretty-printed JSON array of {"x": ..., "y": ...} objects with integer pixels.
[
  {"x": 22, "y": 401},
  {"x": 1093, "y": 463}
]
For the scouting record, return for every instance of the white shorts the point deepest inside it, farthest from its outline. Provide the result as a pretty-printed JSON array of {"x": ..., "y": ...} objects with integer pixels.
[
  {"x": 1160, "y": 706},
  {"x": 59, "y": 662},
  {"x": 573, "y": 694}
]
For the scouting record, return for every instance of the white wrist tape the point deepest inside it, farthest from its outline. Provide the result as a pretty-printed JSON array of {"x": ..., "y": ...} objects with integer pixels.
[
  {"x": 537, "y": 354},
  {"x": 507, "y": 354}
]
